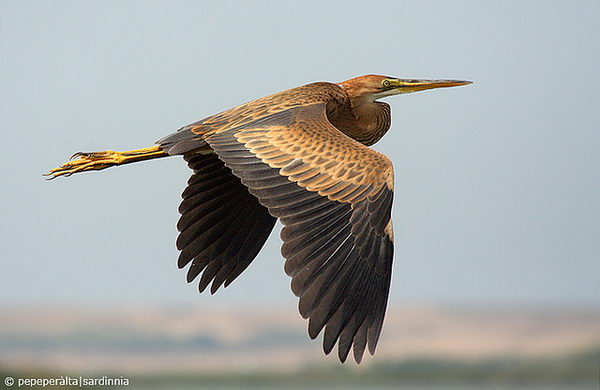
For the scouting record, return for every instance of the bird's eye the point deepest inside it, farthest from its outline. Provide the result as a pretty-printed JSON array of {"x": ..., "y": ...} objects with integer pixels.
[{"x": 386, "y": 83}]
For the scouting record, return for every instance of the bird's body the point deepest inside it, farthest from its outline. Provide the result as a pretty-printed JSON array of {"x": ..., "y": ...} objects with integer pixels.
[
  {"x": 366, "y": 123},
  {"x": 300, "y": 156}
]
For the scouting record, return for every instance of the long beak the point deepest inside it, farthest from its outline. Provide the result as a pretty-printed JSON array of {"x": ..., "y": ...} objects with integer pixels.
[{"x": 409, "y": 86}]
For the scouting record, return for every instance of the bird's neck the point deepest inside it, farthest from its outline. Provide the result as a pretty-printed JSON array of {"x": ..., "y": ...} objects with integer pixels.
[{"x": 365, "y": 121}]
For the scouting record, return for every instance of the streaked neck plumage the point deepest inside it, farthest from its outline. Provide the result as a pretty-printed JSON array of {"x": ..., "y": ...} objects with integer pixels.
[{"x": 366, "y": 120}]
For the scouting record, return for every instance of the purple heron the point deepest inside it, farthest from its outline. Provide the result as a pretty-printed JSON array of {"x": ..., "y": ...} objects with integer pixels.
[{"x": 301, "y": 156}]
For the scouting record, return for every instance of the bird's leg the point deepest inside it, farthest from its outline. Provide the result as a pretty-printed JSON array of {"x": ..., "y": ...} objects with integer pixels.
[{"x": 96, "y": 161}]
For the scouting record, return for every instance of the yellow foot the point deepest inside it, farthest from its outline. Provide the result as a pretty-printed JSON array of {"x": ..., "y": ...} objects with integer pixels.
[{"x": 96, "y": 161}]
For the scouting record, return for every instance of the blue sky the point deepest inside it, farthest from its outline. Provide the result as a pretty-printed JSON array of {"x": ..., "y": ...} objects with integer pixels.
[{"x": 497, "y": 184}]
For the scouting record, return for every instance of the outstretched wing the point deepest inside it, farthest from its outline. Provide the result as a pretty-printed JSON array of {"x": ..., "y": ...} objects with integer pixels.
[
  {"x": 334, "y": 197},
  {"x": 222, "y": 226}
]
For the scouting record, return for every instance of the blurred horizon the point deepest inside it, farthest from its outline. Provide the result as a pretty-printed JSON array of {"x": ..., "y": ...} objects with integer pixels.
[{"x": 219, "y": 339}]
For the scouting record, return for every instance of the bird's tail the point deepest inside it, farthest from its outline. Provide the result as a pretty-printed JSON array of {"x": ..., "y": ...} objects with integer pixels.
[
  {"x": 96, "y": 161},
  {"x": 182, "y": 141}
]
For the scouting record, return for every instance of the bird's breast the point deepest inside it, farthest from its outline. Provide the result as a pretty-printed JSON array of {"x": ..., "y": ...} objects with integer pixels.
[{"x": 365, "y": 123}]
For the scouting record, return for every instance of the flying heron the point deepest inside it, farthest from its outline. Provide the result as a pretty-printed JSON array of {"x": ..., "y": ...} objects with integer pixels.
[{"x": 301, "y": 156}]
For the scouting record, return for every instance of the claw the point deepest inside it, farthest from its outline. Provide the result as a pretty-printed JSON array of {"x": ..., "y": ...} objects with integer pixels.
[
  {"x": 96, "y": 161},
  {"x": 82, "y": 161},
  {"x": 78, "y": 154}
]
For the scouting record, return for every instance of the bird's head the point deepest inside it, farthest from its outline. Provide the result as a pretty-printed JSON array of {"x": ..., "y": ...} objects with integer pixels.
[{"x": 373, "y": 87}]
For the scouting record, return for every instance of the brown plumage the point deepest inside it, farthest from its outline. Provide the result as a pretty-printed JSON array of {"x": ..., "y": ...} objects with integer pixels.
[{"x": 300, "y": 156}]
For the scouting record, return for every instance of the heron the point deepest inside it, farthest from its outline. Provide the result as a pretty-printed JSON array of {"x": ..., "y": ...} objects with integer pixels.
[{"x": 301, "y": 156}]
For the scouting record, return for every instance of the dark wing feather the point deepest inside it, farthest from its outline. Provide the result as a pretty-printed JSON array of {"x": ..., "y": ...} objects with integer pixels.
[
  {"x": 335, "y": 203},
  {"x": 222, "y": 226}
]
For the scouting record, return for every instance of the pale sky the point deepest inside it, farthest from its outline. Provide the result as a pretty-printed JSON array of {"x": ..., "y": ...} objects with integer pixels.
[{"x": 497, "y": 184}]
